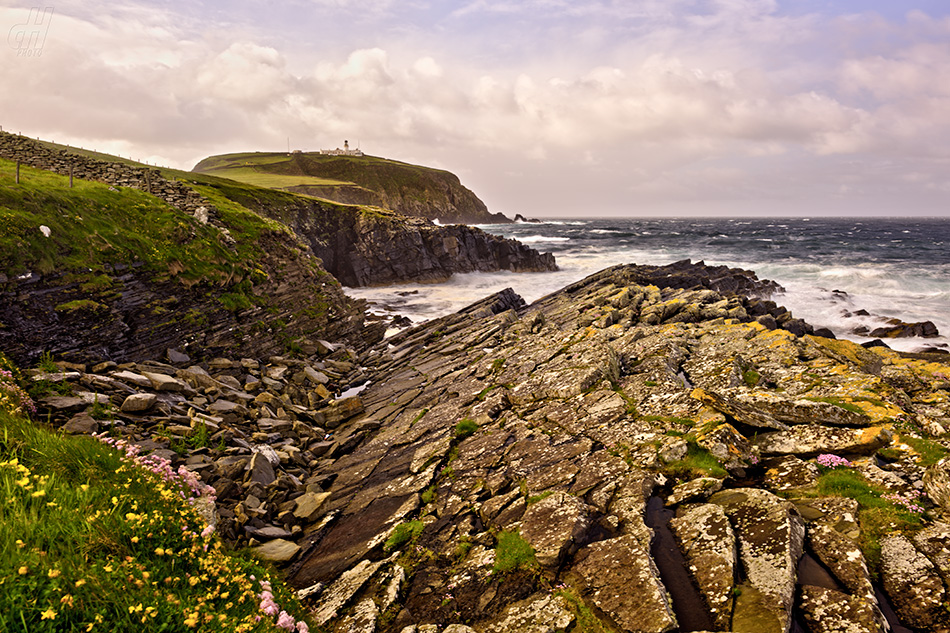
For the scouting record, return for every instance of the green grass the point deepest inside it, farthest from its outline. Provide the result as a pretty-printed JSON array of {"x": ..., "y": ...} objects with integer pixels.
[
  {"x": 92, "y": 226},
  {"x": 587, "y": 620},
  {"x": 877, "y": 516},
  {"x": 930, "y": 451},
  {"x": 403, "y": 534},
  {"x": 512, "y": 552},
  {"x": 844, "y": 482},
  {"x": 698, "y": 462},
  {"x": 252, "y": 176},
  {"x": 92, "y": 542}
]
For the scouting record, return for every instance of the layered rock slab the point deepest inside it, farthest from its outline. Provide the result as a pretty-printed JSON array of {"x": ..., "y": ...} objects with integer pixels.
[
  {"x": 619, "y": 576},
  {"x": 770, "y": 533}
]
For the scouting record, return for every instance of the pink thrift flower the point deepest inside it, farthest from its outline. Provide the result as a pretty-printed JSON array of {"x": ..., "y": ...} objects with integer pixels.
[
  {"x": 286, "y": 621},
  {"x": 302, "y": 627}
]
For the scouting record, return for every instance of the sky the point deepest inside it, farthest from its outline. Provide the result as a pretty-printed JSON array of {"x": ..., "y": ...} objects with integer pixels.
[{"x": 547, "y": 108}]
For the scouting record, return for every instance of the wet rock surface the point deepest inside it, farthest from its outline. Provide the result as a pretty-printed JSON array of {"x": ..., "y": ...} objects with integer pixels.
[{"x": 495, "y": 471}]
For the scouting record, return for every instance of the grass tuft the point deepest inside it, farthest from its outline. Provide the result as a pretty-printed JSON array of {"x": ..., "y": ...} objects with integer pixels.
[{"x": 513, "y": 552}]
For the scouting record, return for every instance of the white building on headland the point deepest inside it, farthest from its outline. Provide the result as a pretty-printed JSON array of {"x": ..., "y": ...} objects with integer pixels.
[{"x": 346, "y": 151}]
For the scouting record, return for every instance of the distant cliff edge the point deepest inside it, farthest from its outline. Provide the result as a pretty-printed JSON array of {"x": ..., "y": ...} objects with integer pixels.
[{"x": 411, "y": 190}]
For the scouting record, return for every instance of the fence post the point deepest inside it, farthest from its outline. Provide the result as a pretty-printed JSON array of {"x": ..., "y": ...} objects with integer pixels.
[
  {"x": 18, "y": 171},
  {"x": 70, "y": 175}
]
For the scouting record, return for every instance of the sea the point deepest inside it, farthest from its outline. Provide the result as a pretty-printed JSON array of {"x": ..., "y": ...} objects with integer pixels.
[{"x": 848, "y": 275}]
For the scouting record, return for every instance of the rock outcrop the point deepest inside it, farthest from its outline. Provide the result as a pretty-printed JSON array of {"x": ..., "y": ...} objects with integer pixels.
[
  {"x": 367, "y": 246},
  {"x": 495, "y": 473},
  {"x": 139, "y": 314}
]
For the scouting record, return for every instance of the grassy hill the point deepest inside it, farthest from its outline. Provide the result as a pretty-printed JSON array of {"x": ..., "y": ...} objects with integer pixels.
[
  {"x": 123, "y": 274},
  {"x": 409, "y": 189}
]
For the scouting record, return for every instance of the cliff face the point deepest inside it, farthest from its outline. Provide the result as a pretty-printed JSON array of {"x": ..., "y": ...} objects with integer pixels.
[
  {"x": 366, "y": 246},
  {"x": 407, "y": 189}
]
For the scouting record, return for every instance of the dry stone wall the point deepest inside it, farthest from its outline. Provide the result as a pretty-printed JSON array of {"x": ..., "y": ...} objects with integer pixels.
[{"x": 31, "y": 152}]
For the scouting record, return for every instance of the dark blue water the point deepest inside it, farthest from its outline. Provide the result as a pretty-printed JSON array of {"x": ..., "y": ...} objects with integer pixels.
[{"x": 889, "y": 267}]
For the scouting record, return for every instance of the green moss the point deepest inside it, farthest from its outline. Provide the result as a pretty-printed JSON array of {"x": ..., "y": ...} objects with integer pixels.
[
  {"x": 751, "y": 377},
  {"x": 465, "y": 428},
  {"x": 80, "y": 304},
  {"x": 235, "y": 301},
  {"x": 418, "y": 417},
  {"x": 97, "y": 284},
  {"x": 513, "y": 552},
  {"x": 538, "y": 497},
  {"x": 838, "y": 402}
]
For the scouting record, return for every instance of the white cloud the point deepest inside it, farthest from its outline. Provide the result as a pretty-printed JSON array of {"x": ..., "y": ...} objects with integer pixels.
[{"x": 712, "y": 103}]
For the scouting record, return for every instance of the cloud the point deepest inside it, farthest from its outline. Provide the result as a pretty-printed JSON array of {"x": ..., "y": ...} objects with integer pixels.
[{"x": 684, "y": 98}]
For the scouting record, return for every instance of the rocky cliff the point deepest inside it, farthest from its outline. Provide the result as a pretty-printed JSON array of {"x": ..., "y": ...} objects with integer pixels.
[
  {"x": 370, "y": 246},
  {"x": 411, "y": 190}
]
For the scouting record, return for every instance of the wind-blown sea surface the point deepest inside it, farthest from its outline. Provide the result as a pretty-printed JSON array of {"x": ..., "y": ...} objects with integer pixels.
[{"x": 887, "y": 267}]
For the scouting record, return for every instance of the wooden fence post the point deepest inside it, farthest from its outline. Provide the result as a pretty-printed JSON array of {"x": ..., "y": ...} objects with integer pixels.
[
  {"x": 18, "y": 171},
  {"x": 70, "y": 175}
]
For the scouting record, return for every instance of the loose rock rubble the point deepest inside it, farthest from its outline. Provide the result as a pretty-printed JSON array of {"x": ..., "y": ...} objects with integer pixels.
[
  {"x": 259, "y": 431},
  {"x": 555, "y": 427}
]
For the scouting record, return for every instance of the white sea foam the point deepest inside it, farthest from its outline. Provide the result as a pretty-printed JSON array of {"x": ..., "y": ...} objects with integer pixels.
[
  {"x": 535, "y": 239},
  {"x": 807, "y": 262}
]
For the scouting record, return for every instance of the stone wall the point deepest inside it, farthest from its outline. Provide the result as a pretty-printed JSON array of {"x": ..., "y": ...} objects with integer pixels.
[{"x": 31, "y": 152}]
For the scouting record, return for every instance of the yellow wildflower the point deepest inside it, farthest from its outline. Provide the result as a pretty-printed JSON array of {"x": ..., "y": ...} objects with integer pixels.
[
  {"x": 23, "y": 571},
  {"x": 53, "y": 573},
  {"x": 39, "y": 493},
  {"x": 20, "y": 544},
  {"x": 67, "y": 600},
  {"x": 80, "y": 582},
  {"x": 49, "y": 614}
]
